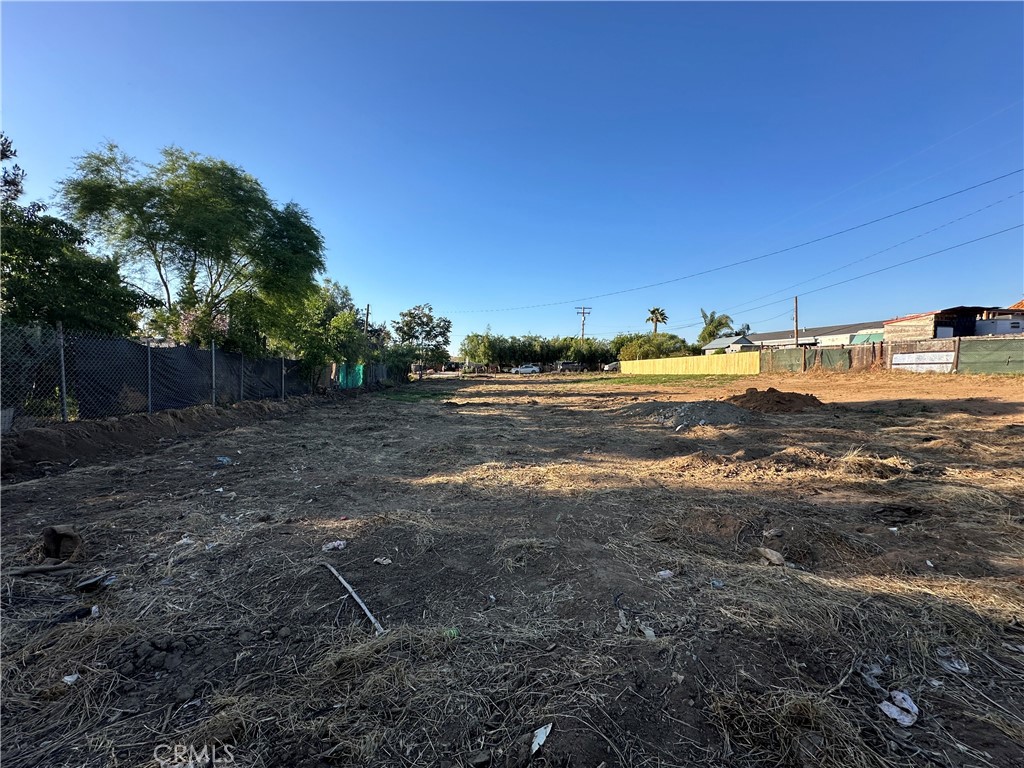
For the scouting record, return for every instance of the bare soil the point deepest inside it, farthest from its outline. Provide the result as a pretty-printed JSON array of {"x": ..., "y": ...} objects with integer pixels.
[{"x": 508, "y": 533}]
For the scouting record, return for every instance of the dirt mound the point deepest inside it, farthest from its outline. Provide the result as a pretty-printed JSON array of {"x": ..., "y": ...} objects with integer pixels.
[
  {"x": 772, "y": 400},
  {"x": 57, "y": 447}
]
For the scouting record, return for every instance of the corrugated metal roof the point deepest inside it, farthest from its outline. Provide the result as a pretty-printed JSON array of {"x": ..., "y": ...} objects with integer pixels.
[
  {"x": 725, "y": 341},
  {"x": 824, "y": 330}
]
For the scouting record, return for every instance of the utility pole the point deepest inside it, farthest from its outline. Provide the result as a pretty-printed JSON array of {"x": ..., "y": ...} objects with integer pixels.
[
  {"x": 796, "y": 323},
  {"x": 583, "y": 312},
  {"x": 366, "y": 321}
]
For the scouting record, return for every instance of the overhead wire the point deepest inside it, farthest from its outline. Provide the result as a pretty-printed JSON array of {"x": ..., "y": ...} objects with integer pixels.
[{"x": 751, "y": 259}]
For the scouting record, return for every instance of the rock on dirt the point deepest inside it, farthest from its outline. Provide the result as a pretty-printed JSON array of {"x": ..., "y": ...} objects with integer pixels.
[
  {"x": 772, "y": 400},
  {"x": 702, "y": 413}
]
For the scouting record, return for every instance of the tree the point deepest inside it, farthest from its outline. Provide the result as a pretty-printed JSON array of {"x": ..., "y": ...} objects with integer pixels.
[
  {"x": 13, "y": 178},
  {"x": 48, "y": 276},
  {"x": 657, "y": 315},
  {"x": 743, "y": 330},
  {"x": 643, "y": 346},
  {"x": 201, "y": 231},
  {"x": 431, "y": 335},
  {"x": 715, "y": 326},
  {"x": 325, "y": 328}
]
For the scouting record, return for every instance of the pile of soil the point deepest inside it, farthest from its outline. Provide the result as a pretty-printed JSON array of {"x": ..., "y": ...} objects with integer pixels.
[
  {"x": 772, "y": 400},
  {"x": 57, "y": 447}
]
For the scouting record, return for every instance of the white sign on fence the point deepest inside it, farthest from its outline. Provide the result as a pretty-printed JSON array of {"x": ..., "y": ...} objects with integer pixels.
[{"x": 924, "y": 362}]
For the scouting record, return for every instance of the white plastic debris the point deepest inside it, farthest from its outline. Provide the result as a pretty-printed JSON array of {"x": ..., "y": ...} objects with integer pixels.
[
  {"x": 902, "y": 708},
  {"x": 71, "y": 679},
  {"x": 895, "y": 531},
  {"x": 666, "y": 574},
  {"x": 184, "y": 540},
  {"x": 95, "y": 612},
  {"x": 382, "y": 560},
  {"x": 539, "y": 736},
  {"x": 950, "y": 662},
  {"x": 332, "y": 546},
  {"x": 648, "y": 632},
  {"x": 930, "y": 563}
]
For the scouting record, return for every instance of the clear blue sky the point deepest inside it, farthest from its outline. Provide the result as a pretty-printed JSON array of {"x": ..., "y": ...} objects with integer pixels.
[{"x": 485, "y": 156}]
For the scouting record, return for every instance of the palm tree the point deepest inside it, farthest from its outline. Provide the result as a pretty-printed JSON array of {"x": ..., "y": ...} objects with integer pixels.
[
  {"x": 743, "y": 330},
  {"x": 657, "y": 315},
  {"x": 715, "y": 326}
]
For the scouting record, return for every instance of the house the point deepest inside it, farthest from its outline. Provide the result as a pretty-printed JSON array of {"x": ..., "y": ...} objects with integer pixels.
[
  {"x": 729, "y": 344},
  {"x": 954, "y": 321},
  {"x": 821, "y": 336}
]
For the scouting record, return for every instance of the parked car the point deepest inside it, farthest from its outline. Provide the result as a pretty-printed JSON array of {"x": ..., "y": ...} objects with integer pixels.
[
  {"x": 568, "y": 366},
  {"x": 527, "y": 368},
  {"x": 612, "y": 366}
]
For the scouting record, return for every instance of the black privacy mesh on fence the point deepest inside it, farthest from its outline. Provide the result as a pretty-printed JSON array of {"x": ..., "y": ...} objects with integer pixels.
[
  {"x": 47, "y": 375},
  {"x": 29, "y": 375}
]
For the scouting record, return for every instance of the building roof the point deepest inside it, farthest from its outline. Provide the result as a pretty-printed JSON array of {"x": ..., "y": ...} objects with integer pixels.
[
  {"x": 1018, "y": 305},
  {"x": 823, "y": 330},
  {"x": 726, "y": 341},
  {"x": 948, "y": 310}
]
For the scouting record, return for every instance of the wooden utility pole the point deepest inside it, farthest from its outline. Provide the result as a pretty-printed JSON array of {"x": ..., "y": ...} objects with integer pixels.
[
  {"x": 366, "y": 321},
  {"x": 583, "y": 312},
  {"x": 796, "y": 323}
]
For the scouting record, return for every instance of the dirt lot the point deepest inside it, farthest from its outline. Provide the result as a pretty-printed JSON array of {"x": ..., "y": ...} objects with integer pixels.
[{"x": 508, "y": 533}]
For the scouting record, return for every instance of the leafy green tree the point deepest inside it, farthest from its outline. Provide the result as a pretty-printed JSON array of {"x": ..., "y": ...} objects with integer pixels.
[
  {"x": 643, "y": 346},
  {"x": 48, "y": 276},
  {"x": 743, "y": 330},
  {"x": 430, "y": 335},
  {"x": 200, "y": 230},
  {"x": 715, "y": 326},
  {"x": 324, "y": 328},
  {"x": 657, "y": 316},
  {"x": 12, "y": 178}
]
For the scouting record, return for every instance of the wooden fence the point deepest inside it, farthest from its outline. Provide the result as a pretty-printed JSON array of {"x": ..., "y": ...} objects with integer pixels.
[
  {"x": 967, "y": 354},
  {"x": 739, "y": 363}
]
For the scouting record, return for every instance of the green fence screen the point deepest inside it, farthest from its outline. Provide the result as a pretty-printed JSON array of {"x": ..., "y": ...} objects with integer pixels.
[
  {"x": 991, "y": 356},
  {"x": 783, "y": 360},
  {"x": 350, "y": 376},
  {"x": 834, "y": 359}
]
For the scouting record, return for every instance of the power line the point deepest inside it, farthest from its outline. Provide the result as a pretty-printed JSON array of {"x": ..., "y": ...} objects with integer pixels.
[
  {"x": 868, "y": 274},
  {"x": 865, "y": 258},
  {"x": 742, "y": 305},
  {"x": 894, "y": 266},
  {"x": 752, "y": 258}
]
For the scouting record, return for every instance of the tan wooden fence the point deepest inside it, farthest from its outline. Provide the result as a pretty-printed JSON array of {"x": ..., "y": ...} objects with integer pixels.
[{"x": 738, "y": 363}]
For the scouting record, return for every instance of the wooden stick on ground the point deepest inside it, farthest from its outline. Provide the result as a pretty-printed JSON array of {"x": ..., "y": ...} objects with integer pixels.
[
  {"x": 376, "y": 624},
  {"x": 29, "y": 569}
]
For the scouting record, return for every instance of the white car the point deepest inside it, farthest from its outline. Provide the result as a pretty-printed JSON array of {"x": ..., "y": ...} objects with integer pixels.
[
  {"x": 527, "y": 368},
  {"x": 612, "y": 366}
]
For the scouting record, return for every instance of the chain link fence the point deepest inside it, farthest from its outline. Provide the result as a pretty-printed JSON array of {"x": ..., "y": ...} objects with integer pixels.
[{"x": 49, "y": 375}]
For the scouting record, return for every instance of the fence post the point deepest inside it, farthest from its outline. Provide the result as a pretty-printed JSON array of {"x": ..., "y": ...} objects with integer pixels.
[
  {"x": 956, "y": 355},
  {"x": 282, "y": 377},
  {"x": 213, "y": 368},
  {"x": 803, "y": 360},
  {"x": 149, "y": 375},
  {"x": 241, "y": 379},
  {"x": 63, "y": 375}
]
